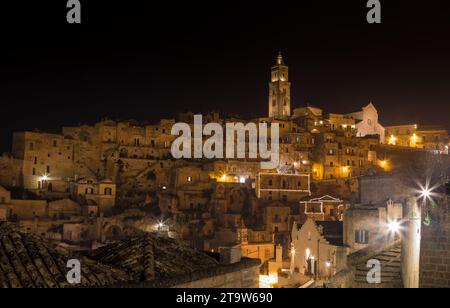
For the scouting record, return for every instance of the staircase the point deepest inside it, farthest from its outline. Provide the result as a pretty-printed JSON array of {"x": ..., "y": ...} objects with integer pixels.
[{"x": 390, "y": 270}]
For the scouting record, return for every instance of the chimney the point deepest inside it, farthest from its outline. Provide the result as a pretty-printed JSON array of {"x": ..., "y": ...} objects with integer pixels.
[
  {"x": 230, "y": 255},
  {"x": 279, "y": 254}
]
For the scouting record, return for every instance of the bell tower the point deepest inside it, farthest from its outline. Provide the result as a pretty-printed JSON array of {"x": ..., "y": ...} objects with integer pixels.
[{"x": 280, "y": 90}]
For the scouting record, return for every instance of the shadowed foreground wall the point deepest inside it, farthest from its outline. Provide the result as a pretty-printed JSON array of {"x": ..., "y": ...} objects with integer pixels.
[{"x": 435, "y": 251}]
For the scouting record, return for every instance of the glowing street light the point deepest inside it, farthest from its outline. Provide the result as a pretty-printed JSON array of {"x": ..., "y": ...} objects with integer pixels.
[
  {"x": 224, "y": 177},
  {"x": 392, "y": 140},
  {"x": 426, "y": 193},
  {"x": 160, "y": 225},
  {"x": 44, "y": 177},
  {"x": 394, "y": 226}
]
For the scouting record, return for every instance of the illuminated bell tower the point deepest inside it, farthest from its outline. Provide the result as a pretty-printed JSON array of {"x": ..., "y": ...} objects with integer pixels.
[{"x": 280, "y": 90}]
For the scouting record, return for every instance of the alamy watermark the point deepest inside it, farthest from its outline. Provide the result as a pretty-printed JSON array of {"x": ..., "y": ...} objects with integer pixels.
[
  {"x": 238, "y": 136},
  {"x": 374, "y": 274},
  {"x": 74, "y": 274},
  {"x": 374, "y": 15},
  {"x": 74, "y": 14}
]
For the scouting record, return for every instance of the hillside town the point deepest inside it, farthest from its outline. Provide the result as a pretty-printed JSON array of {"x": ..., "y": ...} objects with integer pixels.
[{"x": 348, "y": 189}]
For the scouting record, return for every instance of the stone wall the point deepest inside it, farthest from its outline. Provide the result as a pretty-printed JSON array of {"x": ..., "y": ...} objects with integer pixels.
[
  {"x": 435, "y": 251},
  {"x": 244, "y": 274},
  {"x": 342, "y": 280},
  {"x": 378, "y": 189},
  {"x": 10, "y": 171},
  {"x": 245, "y": 278},
  {"x": 28, "y": 209}
]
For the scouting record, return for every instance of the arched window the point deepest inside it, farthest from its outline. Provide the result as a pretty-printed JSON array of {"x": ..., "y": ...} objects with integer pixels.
[{"x": 108, "y": 191}]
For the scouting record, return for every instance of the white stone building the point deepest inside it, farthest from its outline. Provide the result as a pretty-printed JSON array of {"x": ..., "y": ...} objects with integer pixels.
[
  {"x": 367, "y": 122},
  {"x": 318, "y": 248}
]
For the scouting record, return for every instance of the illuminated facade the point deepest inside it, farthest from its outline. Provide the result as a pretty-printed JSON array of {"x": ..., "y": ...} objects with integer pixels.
[
  {"x": 367, "y": 122},
  {"x": 421, "y": 137},
  {"x": 319, "y": 248},
  {"x": 280, "y": 90}
]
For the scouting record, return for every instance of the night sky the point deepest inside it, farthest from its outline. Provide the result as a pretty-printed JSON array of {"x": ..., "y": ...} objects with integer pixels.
[{"x": 145, "y": 61}]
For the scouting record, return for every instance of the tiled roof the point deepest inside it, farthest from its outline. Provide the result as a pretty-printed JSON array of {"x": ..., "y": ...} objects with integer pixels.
[
  {"x": 152, "y": 257},
  {"x": 27, "y": 261}
]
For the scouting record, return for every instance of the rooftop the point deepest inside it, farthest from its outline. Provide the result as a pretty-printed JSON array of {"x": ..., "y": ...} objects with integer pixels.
[
  {"x": 333, "y": 231},
  {"x": 150, "y": 260},
  {"x": 28, "y": 261},
  {"x": 158, "y": 261}
]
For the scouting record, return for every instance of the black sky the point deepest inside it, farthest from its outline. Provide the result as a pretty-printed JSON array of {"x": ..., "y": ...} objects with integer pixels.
[{"x": 142, "y": 60}]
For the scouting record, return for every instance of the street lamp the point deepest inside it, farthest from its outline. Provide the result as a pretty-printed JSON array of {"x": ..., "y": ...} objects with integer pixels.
[
  {"x": 425, "y": 193},
  {"x": 160, "y": 225},
  {"x": 392, "y": 140},
  {"x": 394, "y": 226},
  {"x": 224, "y": 177}
]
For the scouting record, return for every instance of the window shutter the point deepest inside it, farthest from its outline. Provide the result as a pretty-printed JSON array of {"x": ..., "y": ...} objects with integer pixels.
[
  {"x": 357, "y": 236},
  {"x": 366, "y": 237}
]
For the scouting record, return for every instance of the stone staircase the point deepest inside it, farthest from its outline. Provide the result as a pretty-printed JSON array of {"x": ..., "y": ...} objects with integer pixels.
[{"x": 390, "y": 270}]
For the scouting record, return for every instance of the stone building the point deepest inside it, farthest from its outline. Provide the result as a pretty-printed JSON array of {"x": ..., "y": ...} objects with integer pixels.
[
  {"x": 102, "y": 194},
  {"x": 10, "y": 171},
  {"x": 283, "y": 187},
  {"x": 88, "y": 151},
  {"x": 341, "y": 121},
  {"x": 43, "y": 155},
  {"x": 325, "y": 208},
  {"x": 309, "y": 118},
  {"x": 277, "y": 217},
  {"x": 254, "y": 244},
  {"x": 318, "y": 248},
  {"x": 367, "y": 122},
  {"x": 366, "y": 226},
  {"x": 341, "y": 155},
  {"x": 5, "y": 198},
  {"x": 431, "y": 138}
]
